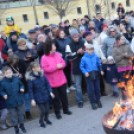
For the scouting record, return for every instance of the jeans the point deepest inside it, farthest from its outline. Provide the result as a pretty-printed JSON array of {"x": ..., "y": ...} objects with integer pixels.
[
  {"x": 115, "y": 88},
  {"x": 124, "y": 79},
  {"x": 4, "y": 113},
  {"x": 94, "y": 90},
  {"x": 78, "y": 82},
  {"x": 27, "y": 102},
  {"x": 44, "y": 112},
  {"x": 17, "y": 114}
]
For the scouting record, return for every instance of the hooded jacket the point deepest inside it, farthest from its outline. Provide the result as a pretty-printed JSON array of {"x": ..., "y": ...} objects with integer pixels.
[
  {"x": 11, "y": 87},
  {"x": 107, "y": 44},
  {"x": 38, "y": 87},
  {"x": 91, "y": 64},
  {"x": 120, "y": 60}
]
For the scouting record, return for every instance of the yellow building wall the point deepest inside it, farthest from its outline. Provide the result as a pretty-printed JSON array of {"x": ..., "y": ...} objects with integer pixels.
[{"x": 17, "y": 14}]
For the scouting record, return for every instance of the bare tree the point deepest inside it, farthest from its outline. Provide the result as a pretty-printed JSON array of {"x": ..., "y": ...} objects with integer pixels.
[
  {"x": 60, "y": 7},
  {"x": 103, "y": 7}
]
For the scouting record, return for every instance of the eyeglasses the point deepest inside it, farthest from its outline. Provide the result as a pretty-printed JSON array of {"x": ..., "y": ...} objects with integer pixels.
[
  {"x": 76, "y": 37},
  {"x": 22, "y": 44},
  {"x": 112, "y": 31}
]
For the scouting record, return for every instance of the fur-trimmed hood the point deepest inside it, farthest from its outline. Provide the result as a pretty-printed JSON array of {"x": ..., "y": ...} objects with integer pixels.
[{"x": 30, "y": 76}]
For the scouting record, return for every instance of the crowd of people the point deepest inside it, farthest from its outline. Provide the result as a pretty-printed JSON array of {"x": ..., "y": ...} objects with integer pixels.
[{"x": 42, "y": 67}]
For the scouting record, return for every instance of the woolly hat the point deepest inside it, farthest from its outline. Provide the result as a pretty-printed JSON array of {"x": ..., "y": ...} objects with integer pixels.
[
  {"x": 86, "y": 33},
  {"x": 89, "y": 46},
  {"x": 53, "y": 25},
  {"x": 31, "y": 31},
  {"x": 115, "y": 16},
  {"x": 104, "y": 26},
  {"x": 74, "y": 32},
  {"x": 110, "y": 58},
  {"x": 13, "y": 33}
]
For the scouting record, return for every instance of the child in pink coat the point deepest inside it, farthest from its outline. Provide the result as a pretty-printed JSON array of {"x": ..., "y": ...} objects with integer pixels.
[{"x": 53, "y": 65}]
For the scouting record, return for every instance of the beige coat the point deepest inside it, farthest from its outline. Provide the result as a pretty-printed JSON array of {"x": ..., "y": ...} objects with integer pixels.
[{"x": 118, "y": 56}]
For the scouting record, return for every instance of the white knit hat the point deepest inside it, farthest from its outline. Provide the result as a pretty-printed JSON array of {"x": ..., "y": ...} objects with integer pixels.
[{"x": 110, "y": 58}]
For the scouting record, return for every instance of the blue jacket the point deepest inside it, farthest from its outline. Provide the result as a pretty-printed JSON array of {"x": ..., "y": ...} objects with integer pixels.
[
  {"x": 14, "y": 47},
  {"x": 91, "y": 64},
  {"x": 38, "y": 87},
  {"x": 99, "y": 24},
  {"x": 11, "y": 87},
  {"x": 112, "y": 76},
  {"x": 2, "y": 102}
]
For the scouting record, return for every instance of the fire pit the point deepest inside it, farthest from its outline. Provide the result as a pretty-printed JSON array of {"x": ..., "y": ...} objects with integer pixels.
[
  {"x": 111, "y": 130},
  {"x": 120, "y": 120}
]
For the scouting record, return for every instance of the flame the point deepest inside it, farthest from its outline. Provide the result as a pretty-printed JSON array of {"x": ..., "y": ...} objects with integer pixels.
[{"x": 122, "y": 108}]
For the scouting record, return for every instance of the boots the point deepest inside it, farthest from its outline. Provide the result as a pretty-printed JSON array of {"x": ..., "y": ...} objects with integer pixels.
[
  {"x": 8, "y": 124},
  {"x": 16, "y": 130},
  {"x": 28, "y": 115},
  {"x": 3, "y": 124}
]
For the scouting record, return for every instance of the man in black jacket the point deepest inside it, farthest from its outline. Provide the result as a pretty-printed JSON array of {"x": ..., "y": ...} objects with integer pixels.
[
  {"x": 66, "y": 28},
  {"x": 74, "y": 53}
]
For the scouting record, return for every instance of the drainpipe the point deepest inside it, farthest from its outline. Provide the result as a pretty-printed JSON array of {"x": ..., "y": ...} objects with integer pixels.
[
  {"x": 88, "y": 8},
  {"x": 35, "y": 13}
]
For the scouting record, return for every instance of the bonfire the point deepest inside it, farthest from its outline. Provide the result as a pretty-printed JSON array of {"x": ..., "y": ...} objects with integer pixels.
[{"x": 123, "y": 113}]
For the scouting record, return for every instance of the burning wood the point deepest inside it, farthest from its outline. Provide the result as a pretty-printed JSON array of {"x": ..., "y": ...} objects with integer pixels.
[{"x": 123, "y": 112}]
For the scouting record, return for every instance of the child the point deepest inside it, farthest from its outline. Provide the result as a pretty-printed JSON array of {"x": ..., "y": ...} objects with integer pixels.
[
  {"x": 91, "y": 68},
  {"x": 3, "y": 108},
  {"x": 11, "y": 27},
  {"x": 39, "y": 91},
  {"x": 12, "y": 90},
  {"x": 112, "y": 75}
]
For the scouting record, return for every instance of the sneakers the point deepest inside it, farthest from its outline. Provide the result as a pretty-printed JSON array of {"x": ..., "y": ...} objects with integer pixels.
[
  {"x": 28, "y": 115},
  {"x": 68, "y": 112},
  {"x": 80, "y": 104},
  {"x": 3, "y": 124},
  {"x": 72, "y": 88},
  {"x": 93, "y": 106},
  {"x": 58, "y": 116},
  {"x": 42, "y": 125},
  {"x": 22, "y": 129},
  {"x": 99, "y": 104},
  {"x": 67, "y": 90}
]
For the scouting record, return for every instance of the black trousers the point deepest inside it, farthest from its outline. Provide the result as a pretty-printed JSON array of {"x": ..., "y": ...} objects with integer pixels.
[
  {"x": 67, "y": 72},
  {"x": 102, "y": 84},
  {"x": 44, "y": 111},
  {"x": 60, "y": 97}
]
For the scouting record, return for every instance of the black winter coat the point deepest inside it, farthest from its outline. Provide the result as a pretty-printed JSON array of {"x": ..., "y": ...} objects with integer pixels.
[
  {"x": 120, "y": 10},
  {"x": 22, "y": 54},
  {"x": 66, "y": 30},
  {"x": 38, "y": 87},
  {"x": 71, "y": 54}
]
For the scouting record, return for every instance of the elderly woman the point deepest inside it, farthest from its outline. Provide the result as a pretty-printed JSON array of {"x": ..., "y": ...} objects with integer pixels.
[
  {"x": 27, "y": 55},
  {"x": 122, "y": 54},
  {"x": 53, "y": 65}
]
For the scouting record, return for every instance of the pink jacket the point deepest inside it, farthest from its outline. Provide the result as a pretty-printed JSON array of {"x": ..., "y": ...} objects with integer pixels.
[{"x": 55, "y": 76}]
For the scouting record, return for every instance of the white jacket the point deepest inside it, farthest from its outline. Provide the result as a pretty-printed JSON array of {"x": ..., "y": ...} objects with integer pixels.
[{"x": 97, "y": 50}]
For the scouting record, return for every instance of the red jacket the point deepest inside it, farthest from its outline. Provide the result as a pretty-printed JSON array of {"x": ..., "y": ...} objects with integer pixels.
[{"x": 2, "y": 44}]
